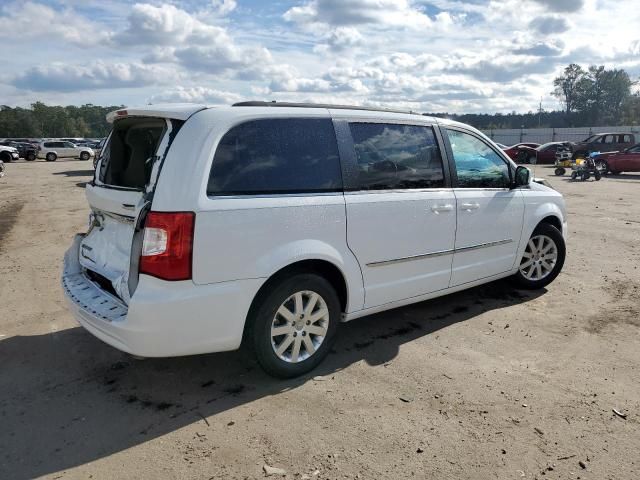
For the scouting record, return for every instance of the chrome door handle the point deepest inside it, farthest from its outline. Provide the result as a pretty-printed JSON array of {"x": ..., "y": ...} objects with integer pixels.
[
  {"x": 441, "y": 208},
  {"x": 470, "y": 206}
]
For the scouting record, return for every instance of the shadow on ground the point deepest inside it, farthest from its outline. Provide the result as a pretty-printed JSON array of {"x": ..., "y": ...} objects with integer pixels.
[
  {"x": 67, "y": 399},
  {"x": 76, "y": 173}
]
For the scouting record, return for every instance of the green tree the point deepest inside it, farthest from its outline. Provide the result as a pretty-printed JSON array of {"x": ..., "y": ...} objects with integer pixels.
[{"x": 566, "y": 86}]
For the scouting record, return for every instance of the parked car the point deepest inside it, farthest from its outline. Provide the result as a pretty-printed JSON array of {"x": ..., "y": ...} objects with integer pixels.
[
  {"x": 8, "y": 154},
  {"x": 515, "y": 152},
  {"x": 603, "y": 142},
  {"x": 543, "y": 154},
  {"x": 51, "y": 150},
  {"x": 617, "y": 162},
  {"x": 27, "y": 151},
  {"x": 274, "y": 222}
]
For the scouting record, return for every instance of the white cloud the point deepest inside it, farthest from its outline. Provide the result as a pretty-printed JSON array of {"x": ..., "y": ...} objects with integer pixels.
[
  {"x": 397, "y": 13},
  {"x": 62, "y": 77},
  {"x": 30, "y": 19},
  {"x": 205, "y": 95}
]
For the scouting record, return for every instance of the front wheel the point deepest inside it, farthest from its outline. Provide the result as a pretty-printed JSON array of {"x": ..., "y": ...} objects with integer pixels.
[
  {"x": 84, "y": 156},
  {"x": 542, "y": 259},
  {"x": 559, "y": 171},
  {"x": 293, "y": 326},
  {"x": 51, "y": 157},
  {"x": 602, "y": 167},
  {"x": 31, "y": 157}
]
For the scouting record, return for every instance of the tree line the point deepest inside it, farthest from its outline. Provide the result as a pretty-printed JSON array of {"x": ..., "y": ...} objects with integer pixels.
[{"x": 593, "y": 96}]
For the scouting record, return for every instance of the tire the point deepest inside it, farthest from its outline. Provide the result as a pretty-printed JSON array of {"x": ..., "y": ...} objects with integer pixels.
[
  {"x": 522, "y": 157},
  {"x": 6, "y": 157},
  {"x": 85, "y": 156},
  {"x": 265, "y": 313},
  {"x": 574, "y": 175},
  {"x": 585, "y": 176},
  {"x": 51, "y": 157},
  {"x": 559, "y": 171},
  {"x": 30, "y": 157},
  {"x": 602, "y": 166},
  {"x": 526, "y": 275},
  {"x": 597, "y": 175}
]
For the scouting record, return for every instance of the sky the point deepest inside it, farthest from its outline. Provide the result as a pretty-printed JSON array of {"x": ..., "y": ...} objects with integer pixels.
[{"x": 424, "y": 55}]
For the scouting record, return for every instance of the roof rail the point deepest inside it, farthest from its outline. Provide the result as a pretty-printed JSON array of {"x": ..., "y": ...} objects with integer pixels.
[{"x": 257, "y": 103}]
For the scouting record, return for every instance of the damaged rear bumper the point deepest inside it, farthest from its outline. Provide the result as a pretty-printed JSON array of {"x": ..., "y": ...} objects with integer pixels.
[{"x": 163, "y": 319}]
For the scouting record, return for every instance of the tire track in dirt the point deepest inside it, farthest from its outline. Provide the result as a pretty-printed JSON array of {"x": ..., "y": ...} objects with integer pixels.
[
  {"x": 623, "y": 309},
  {"x": 8, "y": 217}
]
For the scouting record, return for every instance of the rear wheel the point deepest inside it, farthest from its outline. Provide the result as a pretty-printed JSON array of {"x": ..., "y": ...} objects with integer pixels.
[
  {"x": 543, "y": 258},
  {"x": 293, "y": 326},
  {"x": 6, "y": 157},
  {"x": 51, "y": 157},
  {"x": 31, "y": 156},
  {"x": 559, "y": 171},
  {"x": 84, "y": 156}
]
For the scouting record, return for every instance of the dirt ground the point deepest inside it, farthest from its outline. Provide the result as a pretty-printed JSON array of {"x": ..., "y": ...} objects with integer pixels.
[{"x": 488, "y": 383}]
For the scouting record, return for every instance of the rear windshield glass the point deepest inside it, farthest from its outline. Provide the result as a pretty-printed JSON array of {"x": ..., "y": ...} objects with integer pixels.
[{"x": 128, "y": 154}]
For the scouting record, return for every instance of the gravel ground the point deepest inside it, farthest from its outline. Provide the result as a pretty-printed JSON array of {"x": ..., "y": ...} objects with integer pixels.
[{"x": 488, "y": 383}]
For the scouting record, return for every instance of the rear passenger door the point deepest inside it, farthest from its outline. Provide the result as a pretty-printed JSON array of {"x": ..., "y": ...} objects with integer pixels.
[
  {"x": 400, "y": 209},
  {"x": 490, "y": 213}
]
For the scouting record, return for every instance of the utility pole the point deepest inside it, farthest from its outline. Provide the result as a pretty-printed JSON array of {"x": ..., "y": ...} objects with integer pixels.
[{"x": 540, "y": 114}]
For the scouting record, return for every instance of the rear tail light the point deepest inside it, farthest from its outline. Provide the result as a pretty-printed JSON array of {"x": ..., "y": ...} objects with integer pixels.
[{"x": 167, "y": 246}]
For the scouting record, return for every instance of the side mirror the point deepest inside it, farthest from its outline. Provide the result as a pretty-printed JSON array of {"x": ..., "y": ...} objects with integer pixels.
[{"x": 522, "y": 177}]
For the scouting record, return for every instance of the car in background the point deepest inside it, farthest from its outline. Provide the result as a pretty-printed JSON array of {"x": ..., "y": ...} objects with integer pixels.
[
  {"x": 51, "y": 150},
  {"x": 603, "y": 142},
  {"x": 8, "y": 154},
  {"x": 627, "y": 160},
  {"x": 515, "y": 152},
  {"x": 545, "y": 153},
  {"x": 28, "y": 151}
]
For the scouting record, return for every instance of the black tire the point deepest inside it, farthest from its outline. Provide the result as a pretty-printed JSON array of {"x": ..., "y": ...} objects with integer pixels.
[
  {"x": 602, "y": 166},
  {"x": 522, "y": 156},
  {"x": 585, "y": 176},
  {"x": 6, "y": 157},
  {"x": 51, "y": 157},
  {"x": 84, "y": 156},
  {"x": 30, "y": 157},
  {"x": 263, "y": 312},
  {"x": 597, "y": 175},
  {"x": 559, "y": 171},
  {"x": 554, "y": 234},
  {"x": 574, "y": 175}
]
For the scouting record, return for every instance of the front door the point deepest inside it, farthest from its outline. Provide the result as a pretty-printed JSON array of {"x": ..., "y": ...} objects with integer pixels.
[
  {"x": 489, "y": 213},
  {"x": 400, "y": 209}
]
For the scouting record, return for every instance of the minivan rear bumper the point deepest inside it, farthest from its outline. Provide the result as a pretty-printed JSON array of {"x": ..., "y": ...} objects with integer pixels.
[{"x": 163, "y": 319}]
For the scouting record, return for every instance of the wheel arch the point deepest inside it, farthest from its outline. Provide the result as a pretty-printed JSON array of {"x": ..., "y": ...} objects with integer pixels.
[
  {"x": 552, "y": 220},
  {"x": 326, "y": 269}
]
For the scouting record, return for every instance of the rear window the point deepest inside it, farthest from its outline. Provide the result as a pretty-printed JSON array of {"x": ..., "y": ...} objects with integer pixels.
[
  {"x": 284, "y": 155},
  {"x": 128, "y": 154}
]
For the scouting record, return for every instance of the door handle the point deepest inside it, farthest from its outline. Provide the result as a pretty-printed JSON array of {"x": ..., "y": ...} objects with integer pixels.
[
  {"x": 441, "y": 208},
  {"x": 470, "y": 206}
]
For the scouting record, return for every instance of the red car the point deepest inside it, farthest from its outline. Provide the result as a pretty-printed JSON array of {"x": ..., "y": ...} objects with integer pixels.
[
  {"x": 545, "y": 153},
  {"x": 514, "y": 150},
  {"x": 625, "y": 161}
]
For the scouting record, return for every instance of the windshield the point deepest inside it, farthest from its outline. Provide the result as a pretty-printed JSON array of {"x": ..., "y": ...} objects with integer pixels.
[
  {"x": 590, "y": 139},
  {"x": 544, "y": 146}
]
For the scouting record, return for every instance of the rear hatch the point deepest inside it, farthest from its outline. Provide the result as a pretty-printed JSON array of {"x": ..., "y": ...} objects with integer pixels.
[{"x": 120, "y": 196}]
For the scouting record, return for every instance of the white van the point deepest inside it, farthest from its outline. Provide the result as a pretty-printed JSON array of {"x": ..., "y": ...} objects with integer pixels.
[{"x": 274, "y": 222}]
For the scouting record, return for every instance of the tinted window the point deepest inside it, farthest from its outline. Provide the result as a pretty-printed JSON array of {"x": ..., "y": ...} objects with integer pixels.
[
  {"x": 394, "y": 156},
  {"x": 477, "y": 165},
  {"x": 292, "y": 155},
  {"x": 49, "y": 144},
  {"x": 608, "y": 139}
]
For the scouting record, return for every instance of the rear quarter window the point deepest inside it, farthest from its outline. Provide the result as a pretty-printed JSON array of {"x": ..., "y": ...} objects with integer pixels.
[{"x": 277, "y": 156}]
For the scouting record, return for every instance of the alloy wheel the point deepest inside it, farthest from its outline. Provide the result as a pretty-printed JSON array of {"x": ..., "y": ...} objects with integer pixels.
[
  {"x": 299, "y": 326},
  {"x": 539, "y": 259}
]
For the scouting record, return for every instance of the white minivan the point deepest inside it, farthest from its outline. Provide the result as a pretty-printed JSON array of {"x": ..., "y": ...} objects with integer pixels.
[{"x": 271, "y": 223}]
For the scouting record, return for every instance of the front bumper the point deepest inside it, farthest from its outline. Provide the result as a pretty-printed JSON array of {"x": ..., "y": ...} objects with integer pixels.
[
  {"x": 163, "y": 319},
  {"x": 15, "y": 155}
]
